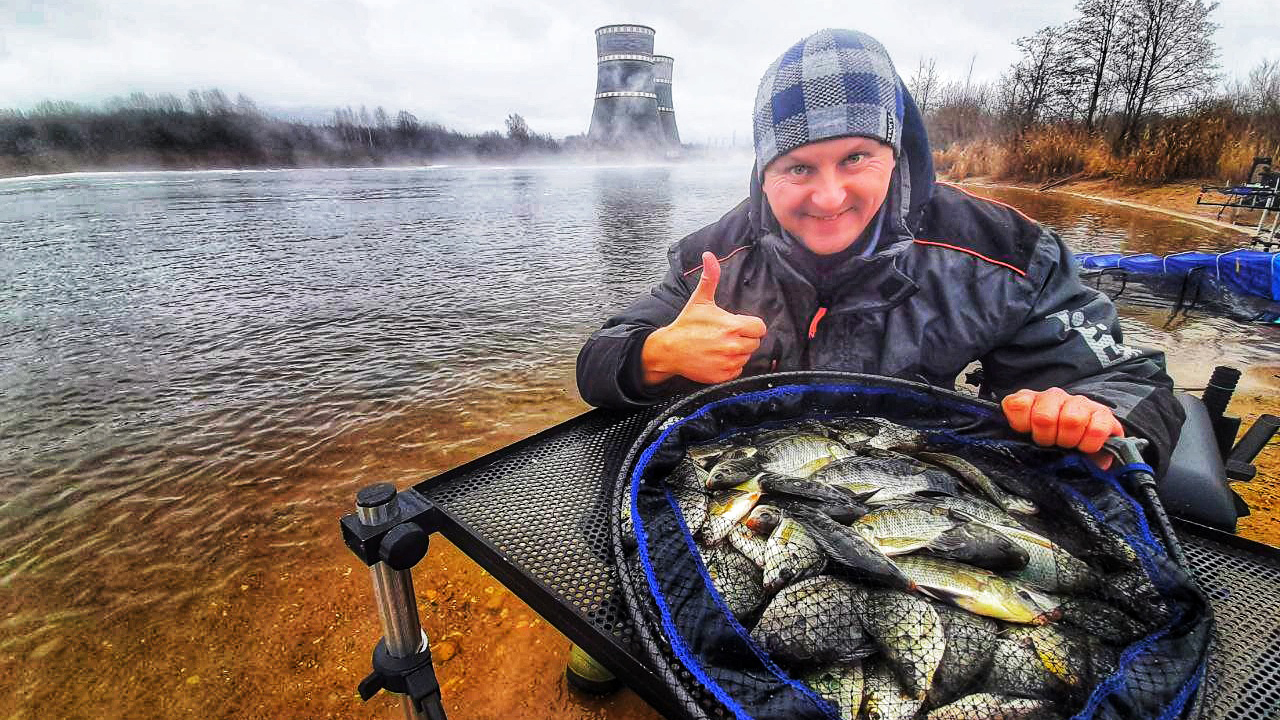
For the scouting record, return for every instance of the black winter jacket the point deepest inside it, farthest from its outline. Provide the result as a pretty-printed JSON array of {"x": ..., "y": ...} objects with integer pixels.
[{"x": 954, "y": 279}]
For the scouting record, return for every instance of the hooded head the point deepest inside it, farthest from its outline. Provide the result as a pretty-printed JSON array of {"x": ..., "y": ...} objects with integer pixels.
[
  {"x": 834, "y": 83},
  {"x": 832, "y": 101}
]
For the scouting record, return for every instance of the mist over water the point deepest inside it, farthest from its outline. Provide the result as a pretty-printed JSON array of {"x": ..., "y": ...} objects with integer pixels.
[{"x": 196, "y": 369}]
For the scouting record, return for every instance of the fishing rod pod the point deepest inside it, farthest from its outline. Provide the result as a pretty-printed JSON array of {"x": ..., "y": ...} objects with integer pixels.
[
  {"x": 390, "y": 532},
  {"x": 716, "y": 665}
]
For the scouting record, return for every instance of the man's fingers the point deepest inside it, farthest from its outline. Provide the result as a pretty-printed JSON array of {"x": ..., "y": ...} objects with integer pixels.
[
  {"x": 1017, "y": 410},
  {"x": 1102, "y": 425},
  {"x": 1044, "y": 416},
  {"x": 706, "y": 290},
  {"x": 751, "y": 326},
  {"x": 1102, "y": 459},
  {"x": 1073, "y": 420},
  {"x": 739, "y": 345}
]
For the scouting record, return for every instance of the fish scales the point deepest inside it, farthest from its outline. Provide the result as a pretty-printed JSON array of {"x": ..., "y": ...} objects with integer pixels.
[
  {"x": 813, "y": 621},
  {"x": 978, "y": 591},
  {"x": 910, "y": 634},
  {"x": 1016, "y": 670},
  {"x": 885, "y": 698},
  {"x": 902, "y": 529},
  {"x": 736, "y": 579},
  {"x": 801, "y": 455},
  {"x": 969, "y": 639},
  {"x": 791, "y": 555},
  {"x": 990, "y": 706},
  {"x": 846, "y": 548},
  {"x": 840, "y": 684}
]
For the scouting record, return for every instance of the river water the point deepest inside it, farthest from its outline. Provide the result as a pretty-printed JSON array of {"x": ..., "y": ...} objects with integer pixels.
[{"x": 198, "y": 369}]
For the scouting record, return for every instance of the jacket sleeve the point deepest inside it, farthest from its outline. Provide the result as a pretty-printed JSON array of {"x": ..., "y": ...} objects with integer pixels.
[
  {"x": 609, "y": 373},
  {"x": 1070, "y": 338}
]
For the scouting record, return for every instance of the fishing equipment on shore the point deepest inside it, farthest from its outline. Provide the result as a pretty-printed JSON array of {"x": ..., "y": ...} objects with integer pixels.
[
  {"x": 1241, "y": 283},
  {"x": 1261, "y": 192},
  {"x": 980, "y": 575}
]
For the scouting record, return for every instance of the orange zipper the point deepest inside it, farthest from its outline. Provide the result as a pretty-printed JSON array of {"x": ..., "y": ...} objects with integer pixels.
[{"x": 817, "y": 318}]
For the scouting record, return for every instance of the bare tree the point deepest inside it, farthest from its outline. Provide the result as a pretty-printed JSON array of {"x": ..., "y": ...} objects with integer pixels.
[
  {"x": 1092, "y": 37},
  {"x": 1165, "y": 56},
  {"x": 1030, "y": 84},
  {"x": 924, "y": 83}
]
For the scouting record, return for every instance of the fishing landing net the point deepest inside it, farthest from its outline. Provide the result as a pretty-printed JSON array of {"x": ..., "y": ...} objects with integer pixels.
[{"x": 954, "y": 572}]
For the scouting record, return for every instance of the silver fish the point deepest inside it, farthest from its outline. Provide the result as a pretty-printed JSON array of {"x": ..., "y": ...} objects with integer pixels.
[
  {"x": 728, "y": 508},
  {"x": 750, "y": 543},
  {"x": 893, "y": 436},
  {"x": 979, "y": 545},
  {"x": 910, "y": 634},
  {"x": 813, "y": 621},
  {"x": 854, "y": 432},
  {"x": 736, "y": 579},
  {"x": 877, "y": 482},
  {"x": 968, "y": 472},
  {"x": 728, "y": 472},
  {"x": 791, "y": 555},
  {"x": 801, "y": 455},
  {"x": 994, "y": 707},
  {"x": 1049, "y": 567},
  {"x": 1016, "y": 670},
  {"x": 763, "y": 519},
  {"x": 967, "y": 508},
  {"x": 902, "y": 529},
  {"x": 848, "y": 549},
  {"x": 978, "y": 591}
]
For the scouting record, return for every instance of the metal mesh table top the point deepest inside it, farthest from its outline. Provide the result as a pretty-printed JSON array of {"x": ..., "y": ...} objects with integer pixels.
[{"x": 536, "y": 516}]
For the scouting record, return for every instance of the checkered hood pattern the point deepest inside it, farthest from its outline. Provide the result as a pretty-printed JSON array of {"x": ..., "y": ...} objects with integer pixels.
[{"x": 833, "y": 83}]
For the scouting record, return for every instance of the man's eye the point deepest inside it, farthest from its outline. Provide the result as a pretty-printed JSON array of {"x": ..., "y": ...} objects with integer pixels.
[
  {"x": 798, "y": 170},
  {"x": 854, "y": 159}
]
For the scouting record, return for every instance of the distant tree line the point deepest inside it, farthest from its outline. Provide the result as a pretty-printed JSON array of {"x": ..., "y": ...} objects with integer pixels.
[
  {"x": 208, "y": 129},
  {"x": 1127, "y": 89}
]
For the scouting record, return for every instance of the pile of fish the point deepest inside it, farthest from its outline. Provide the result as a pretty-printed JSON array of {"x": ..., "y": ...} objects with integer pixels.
[{"x": 900, "y": 581}]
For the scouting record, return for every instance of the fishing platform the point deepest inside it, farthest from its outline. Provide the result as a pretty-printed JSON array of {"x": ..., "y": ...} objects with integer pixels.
[
  {"x": 536, "y": 515},
  {"x": 1260, "y": 194}
]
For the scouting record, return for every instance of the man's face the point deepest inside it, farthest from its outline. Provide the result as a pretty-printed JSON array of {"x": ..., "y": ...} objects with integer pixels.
[{"x": 826, "y": 193}]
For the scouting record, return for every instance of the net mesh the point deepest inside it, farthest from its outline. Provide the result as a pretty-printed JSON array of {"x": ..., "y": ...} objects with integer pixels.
[{"x": 865, "y": 549}]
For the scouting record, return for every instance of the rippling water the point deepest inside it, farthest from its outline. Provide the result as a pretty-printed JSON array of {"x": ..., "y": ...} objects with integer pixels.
[{"x": 195, "y": 365}]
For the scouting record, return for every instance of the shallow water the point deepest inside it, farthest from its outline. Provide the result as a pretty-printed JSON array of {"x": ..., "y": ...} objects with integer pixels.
[{"x": 200, "y": 368}]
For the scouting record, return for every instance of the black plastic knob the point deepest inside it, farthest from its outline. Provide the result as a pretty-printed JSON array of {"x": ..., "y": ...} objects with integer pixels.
[
  {"x": 375, "y": 495},
  {"x": 403, "y": 546}
]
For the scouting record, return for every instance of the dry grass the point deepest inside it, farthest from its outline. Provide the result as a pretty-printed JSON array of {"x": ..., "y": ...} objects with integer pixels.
[{"x": 1213, "y": 144}]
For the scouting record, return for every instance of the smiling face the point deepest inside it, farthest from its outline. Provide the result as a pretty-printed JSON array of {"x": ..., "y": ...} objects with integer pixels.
[{"x": 826, "y": 193}]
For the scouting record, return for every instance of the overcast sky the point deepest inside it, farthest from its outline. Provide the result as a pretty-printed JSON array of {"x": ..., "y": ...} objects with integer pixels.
[{"x": 468, "y": 64}]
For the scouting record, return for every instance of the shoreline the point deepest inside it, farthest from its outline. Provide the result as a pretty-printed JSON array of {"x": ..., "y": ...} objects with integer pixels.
[{"x": 1176, "y": 199}]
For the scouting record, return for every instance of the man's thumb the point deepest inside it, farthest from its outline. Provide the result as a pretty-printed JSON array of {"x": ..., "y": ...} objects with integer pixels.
[{"x": 706, "y": 290}]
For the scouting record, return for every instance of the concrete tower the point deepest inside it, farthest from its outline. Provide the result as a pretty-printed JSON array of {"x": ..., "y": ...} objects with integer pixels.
[
  {"x": 626, "y": 106},
  {"x": 666, "y": 110}
]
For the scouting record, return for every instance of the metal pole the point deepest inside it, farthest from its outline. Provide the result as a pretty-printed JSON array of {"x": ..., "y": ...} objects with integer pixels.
[
  {"x": 1272, "y": 202},
  {"x": 393, "y": 589}
]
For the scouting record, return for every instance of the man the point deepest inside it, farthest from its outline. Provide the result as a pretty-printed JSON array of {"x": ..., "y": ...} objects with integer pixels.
[{"x": 848, "y": 256}]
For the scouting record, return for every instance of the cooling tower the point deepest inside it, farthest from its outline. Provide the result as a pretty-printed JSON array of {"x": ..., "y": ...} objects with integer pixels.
[
  {"x": 626, "y": 105},
  {"x": 666, "y": 110}
]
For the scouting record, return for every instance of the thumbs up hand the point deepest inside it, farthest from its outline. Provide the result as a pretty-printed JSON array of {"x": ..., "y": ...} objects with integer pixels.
[{"x": 705, "y": 343}]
